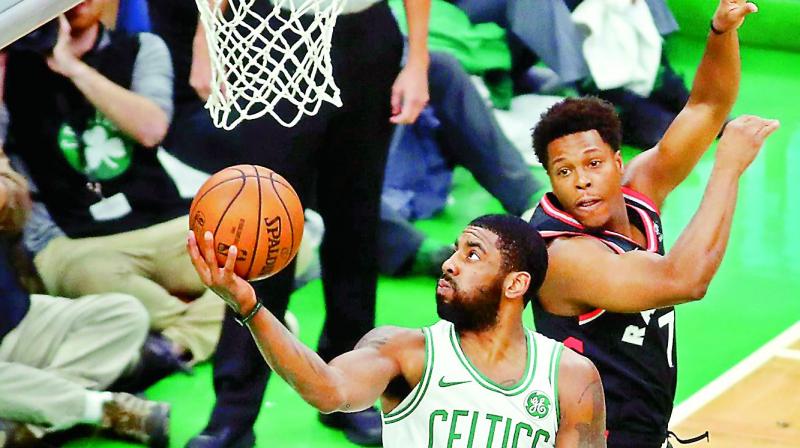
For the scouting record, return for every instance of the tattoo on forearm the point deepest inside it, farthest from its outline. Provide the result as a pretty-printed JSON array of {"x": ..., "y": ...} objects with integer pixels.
[
  {"x": 301, "y": 352},
  {"x": 590, "y": 434},
  {"x": 269, "y": 356}
]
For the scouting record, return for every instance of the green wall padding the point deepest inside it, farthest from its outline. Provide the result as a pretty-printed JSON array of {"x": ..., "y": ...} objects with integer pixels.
[{"x": 776, "y": 25}]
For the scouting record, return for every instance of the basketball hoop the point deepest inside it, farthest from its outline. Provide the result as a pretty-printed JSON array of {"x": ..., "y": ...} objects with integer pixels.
[{"x": 273, "y": 62}]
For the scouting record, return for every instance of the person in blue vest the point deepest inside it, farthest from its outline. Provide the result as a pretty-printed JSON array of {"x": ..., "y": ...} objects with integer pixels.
[
  {"x": 544, "y": 30},
  {"x": 611, "y": 286}
]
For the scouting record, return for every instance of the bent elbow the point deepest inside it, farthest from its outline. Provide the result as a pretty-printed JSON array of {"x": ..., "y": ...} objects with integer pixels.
[
  {"x": 696, "y": 290},
  {"x": 326, "y": 403},
  {"x": 690, "y": 286},
  {"x": 325, "y": 407},
  {"x": 152, "y": 134}
]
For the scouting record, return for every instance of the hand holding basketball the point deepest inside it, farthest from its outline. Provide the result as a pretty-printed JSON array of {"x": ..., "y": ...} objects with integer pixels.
[
  {"x": 254, "y": 209},
  {"x": 234, "y": 290}
]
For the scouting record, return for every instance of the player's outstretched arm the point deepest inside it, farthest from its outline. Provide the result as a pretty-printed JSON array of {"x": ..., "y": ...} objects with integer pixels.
[
  {"x": 351, "y": 382},
  {"x": 584, "y": 274},
  {"x": 582, "y": 404},
  {"x": 658, "y": 171}
]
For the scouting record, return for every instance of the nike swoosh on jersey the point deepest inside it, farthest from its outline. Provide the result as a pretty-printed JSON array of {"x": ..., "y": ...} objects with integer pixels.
[{"x": 443, "y": 383}]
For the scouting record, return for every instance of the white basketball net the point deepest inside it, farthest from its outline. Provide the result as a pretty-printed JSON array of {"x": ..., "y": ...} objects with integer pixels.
[{"x": 258, "y": 61}]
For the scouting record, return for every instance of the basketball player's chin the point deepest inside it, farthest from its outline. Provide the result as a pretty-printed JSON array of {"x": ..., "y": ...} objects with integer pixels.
[{"x": 592, "y": 217}]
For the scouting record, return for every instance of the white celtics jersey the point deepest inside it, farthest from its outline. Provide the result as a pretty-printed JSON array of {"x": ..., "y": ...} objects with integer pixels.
[{"x": 455, "y": 406}]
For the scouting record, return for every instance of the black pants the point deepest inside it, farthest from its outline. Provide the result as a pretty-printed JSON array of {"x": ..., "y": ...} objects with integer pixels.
[
  {"x": 337, "y": 158},
  {"x": 469, "y": 136}
]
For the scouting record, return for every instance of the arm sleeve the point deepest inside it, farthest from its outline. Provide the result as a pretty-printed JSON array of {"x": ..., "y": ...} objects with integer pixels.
[{"x": 152, "y": 72}]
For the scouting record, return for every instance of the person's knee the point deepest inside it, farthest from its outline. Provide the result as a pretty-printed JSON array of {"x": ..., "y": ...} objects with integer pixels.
[
  {"x": 92, "y": 274},
  {"x": 446, "y": 71},
  {"x": 129, "y": 312},
  {"x": 445, "y": 62}
]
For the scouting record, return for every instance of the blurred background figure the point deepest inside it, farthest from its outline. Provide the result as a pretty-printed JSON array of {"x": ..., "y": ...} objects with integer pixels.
[
  {"x": 334, "y": 160},
  {"x": 58, "y": 356},
  {"x": 577, "y": 40},
  {"x": 85, "y": 117}
]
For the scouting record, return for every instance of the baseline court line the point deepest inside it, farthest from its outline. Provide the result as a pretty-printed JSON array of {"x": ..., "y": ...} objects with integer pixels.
[
  {"x": 735, "y": 374},
  {"x": 788, "y": 354}
]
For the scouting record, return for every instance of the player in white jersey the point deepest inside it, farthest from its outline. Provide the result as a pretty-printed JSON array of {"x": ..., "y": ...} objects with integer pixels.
[{"x": 477, "y": 378}]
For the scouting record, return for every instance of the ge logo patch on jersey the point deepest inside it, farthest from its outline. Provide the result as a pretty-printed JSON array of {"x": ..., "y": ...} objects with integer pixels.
[{"x": 538, "y": 404}]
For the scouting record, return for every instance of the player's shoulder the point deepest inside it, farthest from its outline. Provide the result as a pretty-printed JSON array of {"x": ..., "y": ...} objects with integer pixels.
[
  {"x": 573, "y": 365},
  {"x": 573, "y": 248},
  {"x": 576, "y": 374},
  {"x": 580, "y": 395},
  {"x": 406, "y": 346},
  {"x": 393, "y": 338},
  {"x": 545, "y": 341}
]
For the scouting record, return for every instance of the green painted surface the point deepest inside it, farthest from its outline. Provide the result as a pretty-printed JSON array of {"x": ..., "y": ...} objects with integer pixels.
[
  {"x": 756, "y": 293},
  {"x": 753, "y": 298},
  {"x": 774, "y": 26}
]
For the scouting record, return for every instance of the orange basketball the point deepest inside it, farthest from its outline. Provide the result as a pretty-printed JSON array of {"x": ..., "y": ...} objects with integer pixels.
[{"x": 255, "y": 209}]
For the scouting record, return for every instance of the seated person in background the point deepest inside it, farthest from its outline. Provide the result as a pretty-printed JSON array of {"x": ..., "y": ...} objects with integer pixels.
[
  {"x": 57, "y": 356},
  {"x": 86, "y": 121},
  {"x": 478, "y": 362},
  {"x": 156, "y": 360},
  {"x": 468, "y": 135},
  {"x": 545, "y": 30}
]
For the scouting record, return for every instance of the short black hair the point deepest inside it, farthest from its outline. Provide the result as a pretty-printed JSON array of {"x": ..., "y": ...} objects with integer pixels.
[
  {"x": 521, "y": 245},
  {"x": 574, "y": 115}
]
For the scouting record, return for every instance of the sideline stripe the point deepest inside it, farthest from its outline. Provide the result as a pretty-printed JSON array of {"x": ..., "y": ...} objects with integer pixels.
[
  {"x": 788, "y": 354},
  {"x": 735, "y": 374}
]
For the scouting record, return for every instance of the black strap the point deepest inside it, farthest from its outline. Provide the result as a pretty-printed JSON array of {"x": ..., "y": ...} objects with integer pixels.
[
  {"x": 694, "y": 439},
  {"x": 246, "y": 319},
  {"x": 714, "y": 29}
]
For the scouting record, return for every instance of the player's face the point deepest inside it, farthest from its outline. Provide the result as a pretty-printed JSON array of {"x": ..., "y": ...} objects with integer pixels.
[
  {"x": 468, "y": 293},
  {"x": 586, "y": 175},
  {"x": 85, "y": 14}
]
